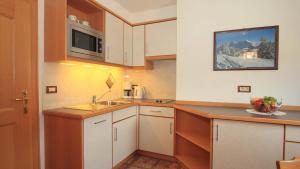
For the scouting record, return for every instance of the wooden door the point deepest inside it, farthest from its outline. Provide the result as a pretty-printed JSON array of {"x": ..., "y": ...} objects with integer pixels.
[
  {"x": 113, "y": 39},
  {"x": 156, "y": 134},
  {"x": 124, "y": 143},
  {"x": 161, "y": 38},
  {"x": 245, "y": 145},
  {"x": 18, "y": 125},
  {"x": 138, "y": 38}
]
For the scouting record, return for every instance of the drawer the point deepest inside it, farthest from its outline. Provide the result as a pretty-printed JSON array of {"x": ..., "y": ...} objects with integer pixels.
[
  {"x": 124, "y": 113},
  {"x": 292, "y": 150},
  {"x": 292, "y": 133},
  {"x": 157, "y": 111},
  {"x": 98, "y": 119}
]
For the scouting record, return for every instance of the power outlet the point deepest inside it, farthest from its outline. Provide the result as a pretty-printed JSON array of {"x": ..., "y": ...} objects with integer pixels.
[{"x": 244, "y": 89}]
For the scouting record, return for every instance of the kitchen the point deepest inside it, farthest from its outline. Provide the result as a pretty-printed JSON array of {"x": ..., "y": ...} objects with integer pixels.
[{"x": 152, "y": 84}]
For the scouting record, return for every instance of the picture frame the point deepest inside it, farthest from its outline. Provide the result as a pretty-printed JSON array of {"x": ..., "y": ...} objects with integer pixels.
[{"x": 246, "y": 49}]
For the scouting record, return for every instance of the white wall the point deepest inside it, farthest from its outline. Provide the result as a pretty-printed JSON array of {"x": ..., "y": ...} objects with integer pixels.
[
  {"x": 159, "y": 82},
  {"x": 117, "y": 8},
  {"x": 149, "y": 15},
  {"x": 155, "y": 14},
  {"x": 198, "y": 19}
]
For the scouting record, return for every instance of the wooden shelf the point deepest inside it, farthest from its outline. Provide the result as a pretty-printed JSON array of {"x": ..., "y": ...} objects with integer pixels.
[
  {"x": 198, "y": 141},
  {"x": 190, "y": 155},
  {"x": 191, "y": 162}
]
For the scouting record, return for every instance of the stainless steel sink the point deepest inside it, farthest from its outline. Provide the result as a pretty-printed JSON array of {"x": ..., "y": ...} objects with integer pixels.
[
  {"x": 112, "y": 103},
  {"x": 97, "y": 106}
]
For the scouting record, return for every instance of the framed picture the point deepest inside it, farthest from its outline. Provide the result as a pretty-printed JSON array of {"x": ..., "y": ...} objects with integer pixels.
[{"x": 246, "y": 49}]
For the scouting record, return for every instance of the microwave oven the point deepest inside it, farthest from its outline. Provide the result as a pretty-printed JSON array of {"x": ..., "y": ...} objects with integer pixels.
[{"x": 85, "y": 42}]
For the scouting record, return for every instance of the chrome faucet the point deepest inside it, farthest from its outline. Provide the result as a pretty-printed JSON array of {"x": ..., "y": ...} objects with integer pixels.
[{"x": 95, "y": 99}]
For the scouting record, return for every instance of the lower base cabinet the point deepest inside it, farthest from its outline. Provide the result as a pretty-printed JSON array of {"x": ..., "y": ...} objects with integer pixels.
[
  {"x": 245, "y": 145},
  {"x": 124, "y": 139},
  {"x": 156, "y": 135},
  {"x": 98, "y": 142}
]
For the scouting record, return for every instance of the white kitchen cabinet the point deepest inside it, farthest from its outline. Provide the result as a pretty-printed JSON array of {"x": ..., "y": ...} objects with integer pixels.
[
  {"x": 138, "y": 37},
  {"x": 98, "y": 142},
  {"x": 124, "y": 139},
  {"x": 161, "y": 38},
  {"x": 292, "y": 150},
  {"x": 127, "y": 45},
  {"x": 113, "y": 39},
  {"x": 156, "y": 134},
  {"x": 245, "y": 145},
  {"x": 292, "y": 133}
]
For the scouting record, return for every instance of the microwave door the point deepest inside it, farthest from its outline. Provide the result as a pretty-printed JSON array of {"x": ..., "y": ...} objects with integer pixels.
[{"x": 84, "y": 43}]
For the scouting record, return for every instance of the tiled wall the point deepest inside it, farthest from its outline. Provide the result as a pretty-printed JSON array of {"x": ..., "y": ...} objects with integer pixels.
[
  {"x": 159, "y": 82},
  {"x": 78, "y": 83}
]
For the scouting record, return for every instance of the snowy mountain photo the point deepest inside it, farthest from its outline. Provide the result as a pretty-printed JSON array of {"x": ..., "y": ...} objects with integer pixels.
[{"x": 254, "y": 48}]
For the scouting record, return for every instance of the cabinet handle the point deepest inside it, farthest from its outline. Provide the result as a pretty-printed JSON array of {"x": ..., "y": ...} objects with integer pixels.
[
  {"x": 156, "y": 111},
  {"x": 171, "y": 128},
  {"x": 116, "y": 134},
  {"x": 125, "y": 57},
  {"x": 217, "y": 132},
  {"x": 102, "y": 121},
  {"x": 108, "y": 52}
]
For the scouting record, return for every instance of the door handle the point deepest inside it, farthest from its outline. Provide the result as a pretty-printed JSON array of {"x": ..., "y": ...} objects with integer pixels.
[
  {"x": 171, "y": 128},
  {"x": 116, "y": 134},
  {"x": 25, "y": 100},
  {"x": 217, "y": 132}
]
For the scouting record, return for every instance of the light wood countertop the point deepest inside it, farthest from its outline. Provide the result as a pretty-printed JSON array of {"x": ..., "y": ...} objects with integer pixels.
[
  {"x": 240, "y": 114},
  {"x": 211, "y": 112},
  {"x": 82, "y": 114}
]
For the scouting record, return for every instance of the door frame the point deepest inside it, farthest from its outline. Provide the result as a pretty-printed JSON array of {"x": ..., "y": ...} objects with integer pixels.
[{"x": 35, "y": 88}]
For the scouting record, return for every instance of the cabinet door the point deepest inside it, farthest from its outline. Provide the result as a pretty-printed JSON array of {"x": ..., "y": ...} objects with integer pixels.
[
  {"x": 98, "y": 142},
  {"x": 156, "y": 134},
  {"x": 138, "y": 45},
  {"x": 292, "y": 150},
  {"x": 124, "y": 135},
  {"x": 113, "y": 39},
  {"x": 127, "y": 45},
  {"x": 245, "y": 145},
  {"x": 161, "y": 38}
]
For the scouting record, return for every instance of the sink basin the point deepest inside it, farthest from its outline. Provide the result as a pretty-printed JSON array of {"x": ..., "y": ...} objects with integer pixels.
[
  {"x": 97, "y": 106},
  {"x": 112, "y": 103}
]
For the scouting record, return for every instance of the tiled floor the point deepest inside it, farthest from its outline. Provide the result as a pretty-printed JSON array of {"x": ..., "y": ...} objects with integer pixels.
[{"x": 143, "y": 162}]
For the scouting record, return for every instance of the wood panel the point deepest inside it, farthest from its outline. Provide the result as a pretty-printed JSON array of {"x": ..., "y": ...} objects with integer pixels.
[
  {"x": 63, "y": 143},
  {"x": 18, "y": 72},
  {"x": 191, "y": 156},
  {"x": 55, "y": 30}
]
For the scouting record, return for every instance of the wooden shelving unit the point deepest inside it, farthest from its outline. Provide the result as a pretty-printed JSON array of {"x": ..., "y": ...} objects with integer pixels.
[
  {"x": 190, "y": 155},
  {"x": 56, "y": 17},
  {"x": 193, "y": 140}
]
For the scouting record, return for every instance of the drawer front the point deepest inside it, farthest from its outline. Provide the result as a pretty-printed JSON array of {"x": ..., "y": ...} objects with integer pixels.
[
  {"x": 292, "y": 133},
  {"x": 97, "y": 119},
  {"x": 157, "y": 111},
  {"x": 124, "y": 113},
  {"x": 292, "y": 150}
]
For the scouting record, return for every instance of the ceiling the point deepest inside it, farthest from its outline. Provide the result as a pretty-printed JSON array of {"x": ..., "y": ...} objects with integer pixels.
[{"x": 144, "y": 5}]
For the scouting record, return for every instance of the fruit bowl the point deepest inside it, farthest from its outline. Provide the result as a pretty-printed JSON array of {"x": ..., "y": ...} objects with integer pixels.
[{"x": 267, "y": 104}]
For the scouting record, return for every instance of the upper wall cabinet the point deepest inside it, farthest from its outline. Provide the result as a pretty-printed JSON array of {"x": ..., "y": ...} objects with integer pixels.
[
  {"x": 138, "y": 45},
  {"x": 127, "y": 45},
  {"x": 161, "y": 38},
  {"x": 56, "y": 29},
  {"x": 113, "y": 39}
]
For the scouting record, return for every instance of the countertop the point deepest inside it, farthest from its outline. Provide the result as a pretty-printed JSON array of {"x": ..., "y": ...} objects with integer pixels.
[
  {"x": 212, "y": 112},
  {"x": 82, "y": 114},
  {"x": 240, "y": 114}
]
